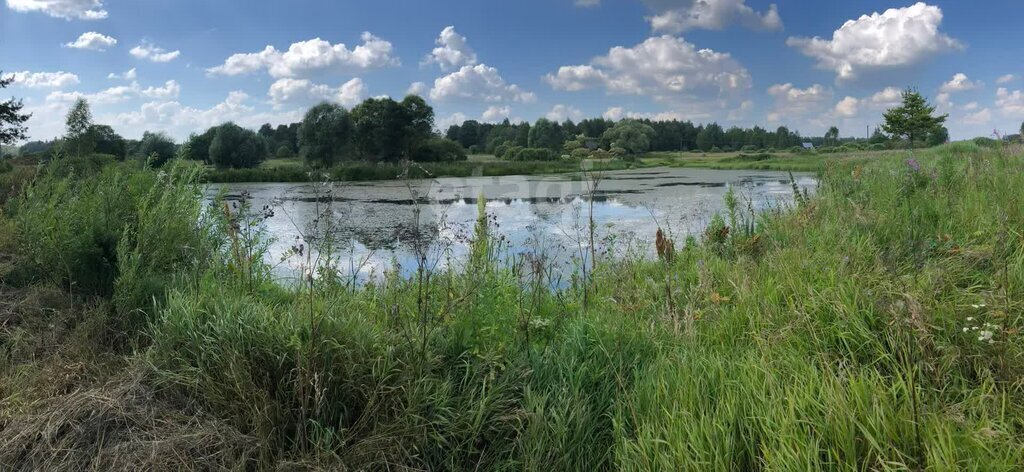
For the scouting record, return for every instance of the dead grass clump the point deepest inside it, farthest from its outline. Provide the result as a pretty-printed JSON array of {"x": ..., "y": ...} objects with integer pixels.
[{"x": 119, "y": 426}]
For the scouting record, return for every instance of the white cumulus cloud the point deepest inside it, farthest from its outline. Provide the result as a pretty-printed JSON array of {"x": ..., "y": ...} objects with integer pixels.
[
  {"x": 307, "y": 58},
  {"x": 452, "y": 51},
  {"x": 847, "y": 107},
  {"x": 895, "y": 38},
  {"x": 417, "y": 88},
  {"x": 561, "y": 113},
  {"x": 43, "y": 79},
  {"x": 496, "y": 113},
  {"x": 959, "y": 83},
  {"x": 65, "y": 9},
  {"x": 677, "y": 16},
  {"x": 127, "y": 75},
  {"x": 151, "y": 52},
  {"x": 792, "y": 102},
  {"x": 92, "y": 41},
  {"x": 109, "y": 96},
  {"x": 477, "y": 83},
  {"x": 1005, "y": 79},
  {"x": 980, "y": 117},
  {"x": 1010, "y": 104},
  {"x": 445, "y": 122},
  {"x": 178, "y": 120},
  {"x": 665, "y": 68},
  {"x": 171, "y": 89},
  {"x": 304, "y": 92},
  {"x": 121, "y": 93}
]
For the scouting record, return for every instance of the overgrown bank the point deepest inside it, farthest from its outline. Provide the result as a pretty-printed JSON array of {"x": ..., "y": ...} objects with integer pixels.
[
  {"x": 874, "y": 326},
  {"x": 364, "y": 171}
]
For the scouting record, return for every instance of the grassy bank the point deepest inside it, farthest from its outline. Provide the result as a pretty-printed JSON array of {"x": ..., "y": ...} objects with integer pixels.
[
  {"x": 294, "y": 171},
  {"x": 786, "y": 161},
  {"x": 873, "y": 326}
]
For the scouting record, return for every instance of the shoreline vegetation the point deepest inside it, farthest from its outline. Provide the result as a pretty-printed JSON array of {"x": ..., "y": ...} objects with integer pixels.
[
  {"x": 292, "y": 170},
  {"x": 874, "y": 325}
]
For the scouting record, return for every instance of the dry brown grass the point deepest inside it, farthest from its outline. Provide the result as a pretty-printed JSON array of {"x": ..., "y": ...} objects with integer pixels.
[
  {"x": 120, "y": 425},
  {"x": 67, "y": 403}
]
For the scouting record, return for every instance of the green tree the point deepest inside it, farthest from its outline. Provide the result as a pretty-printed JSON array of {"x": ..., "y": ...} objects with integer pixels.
[
  {"x": 938, "y": 136},
  {"x": 12, "y": 121},
  {"x": 546, "y": 134},
  {"x": 77, "y": 136},
  {"x": 785, "y": 138},
  {"x": 378, "y": 129},
  {"x": 197, "y": 148},
  {"x": 832, "y": 136},
  {"x": 878, "y": 137},
  {"x": 419, "y": 123},
  {"x": 268, "y": 133},
  {"x": 595, "y": 127},
  {"x": 633, "y": 136},
  {"x": 236, "y": 147},
  {"x": 913, "y": 119},
  {"x": 157, "y": 148},
  {"x": 468, "y": 134},
  {"x": 710, "y": 137},
  {"x": 325, "y": 135},
  {"x": 107, "y": 141}
]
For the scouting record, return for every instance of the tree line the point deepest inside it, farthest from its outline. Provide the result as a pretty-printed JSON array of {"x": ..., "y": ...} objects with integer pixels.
[
  {"x": 602, "y": 133},
  {"x": 376, "y": 130}
]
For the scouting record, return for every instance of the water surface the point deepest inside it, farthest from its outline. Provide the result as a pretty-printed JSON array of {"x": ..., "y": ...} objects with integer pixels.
[{"x": 378, "y": 225}]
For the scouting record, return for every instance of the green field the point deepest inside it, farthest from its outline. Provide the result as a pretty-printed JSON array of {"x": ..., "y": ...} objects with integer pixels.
[{"x": 873, "y": 326}]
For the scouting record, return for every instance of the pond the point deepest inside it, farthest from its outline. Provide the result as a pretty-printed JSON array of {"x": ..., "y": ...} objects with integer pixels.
[{"x": 388, "y": 225}]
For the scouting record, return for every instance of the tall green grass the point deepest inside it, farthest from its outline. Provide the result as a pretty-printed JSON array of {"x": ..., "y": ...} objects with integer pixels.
[{"x": 873, "y": 326}]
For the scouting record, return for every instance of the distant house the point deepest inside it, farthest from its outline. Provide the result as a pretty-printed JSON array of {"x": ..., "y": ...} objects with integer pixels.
[{"x": 808, "y": 145}]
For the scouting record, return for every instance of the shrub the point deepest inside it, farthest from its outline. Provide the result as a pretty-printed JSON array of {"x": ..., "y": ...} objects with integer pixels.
[
  {"x": 79, "y": 166},
  {"x": 157, "y": 148},
  {"x": 284, "y": 152},
  {"x": 986, "y": 142},
  {"x": 716, "y": 149},
  {"x": 502, "y": 149},
  {"x": 580, "y": 153},
  {"x": 535, "y": 154},
  {"x": 12, "y": 182},
  {"x": 749, "y": 148},
  {"x": 439, "y": 150},
  {"x": 122, "y": 232},
  {"x": 511, "y": 152},
  {"x": 236, "y": 147},
  {"x": 876, "y": 147}
]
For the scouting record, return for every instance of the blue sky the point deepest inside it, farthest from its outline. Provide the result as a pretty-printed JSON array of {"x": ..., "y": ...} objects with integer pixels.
[{"x": 181, "y": 66}]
